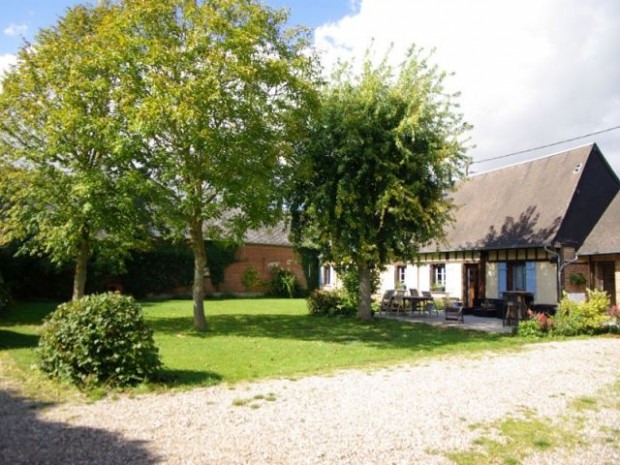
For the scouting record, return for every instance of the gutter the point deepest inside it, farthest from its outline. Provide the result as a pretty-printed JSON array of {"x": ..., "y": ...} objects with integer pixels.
[{"x": 560, "y": 267}]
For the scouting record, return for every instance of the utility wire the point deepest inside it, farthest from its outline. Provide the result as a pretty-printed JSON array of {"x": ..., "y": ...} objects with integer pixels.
[{"x": 546, "y": 146}]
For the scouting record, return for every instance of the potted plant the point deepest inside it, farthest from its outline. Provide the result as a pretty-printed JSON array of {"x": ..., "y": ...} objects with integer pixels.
[{"x": 577, "y": 279}]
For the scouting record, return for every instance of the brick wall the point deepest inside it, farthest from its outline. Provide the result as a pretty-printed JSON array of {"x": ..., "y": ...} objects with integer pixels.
[
  {"x": 261, "y": 257},
  {"x": 582, "y": 268}
]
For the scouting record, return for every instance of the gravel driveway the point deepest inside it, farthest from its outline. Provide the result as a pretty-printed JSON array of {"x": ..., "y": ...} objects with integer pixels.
[{"x": 407, "y": 414}]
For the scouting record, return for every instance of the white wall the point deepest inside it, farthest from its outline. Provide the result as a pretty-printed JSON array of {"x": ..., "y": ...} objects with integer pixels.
[
  {"x": 492, "y": 288},
  {"x": 546, "y": 283},
  {"x": 454, "y": 280},
  {"x": 387, "y": 279},
  {"x": 424, "y": 277}
]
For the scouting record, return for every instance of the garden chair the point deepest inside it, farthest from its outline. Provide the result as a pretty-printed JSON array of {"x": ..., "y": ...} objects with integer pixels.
[
  {"x": 386, "y": 301},
  {"x": 413, "y": 293},
  {"x": 430, "y": 307},
  {"x": 453, "y": 311},
  {"x": 398, "y": 301}
]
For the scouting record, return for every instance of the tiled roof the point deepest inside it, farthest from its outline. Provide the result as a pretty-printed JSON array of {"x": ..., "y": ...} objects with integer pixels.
[
  {"x": 605, "y": 237},
  {"x": 522, "y": 205},
  {"x": 276, "y": 235}
]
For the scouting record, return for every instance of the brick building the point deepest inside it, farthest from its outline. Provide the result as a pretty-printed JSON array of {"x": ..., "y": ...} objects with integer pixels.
[{"x": 261, "y": 250}]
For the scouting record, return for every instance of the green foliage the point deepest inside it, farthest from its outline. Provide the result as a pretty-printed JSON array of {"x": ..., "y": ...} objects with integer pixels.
[
  {"x": 530, "y": 329},
  {"x": 219, "y": 256},
  {"x": 220, "y": 92},
  {"x": 586, "y": 317},
  {"x": 386, "y": 150},
  {"x": 330, "y": 303},
  {"x": 5, "y": 297},
  {"x": 99, "y": 339},
  {"x": 70, "y": 189},
  {"x": 251, "y": 279},
  {"x": 311, "y": 265},
  {"x": 577, "y": 279},
  {"x": 159, "y": 270},
  {"x": 284, "y": 283},
  {"x": 350, "y": 279}
]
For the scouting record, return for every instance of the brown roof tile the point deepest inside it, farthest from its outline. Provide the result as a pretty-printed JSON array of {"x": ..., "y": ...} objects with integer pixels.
[
  {"x": 518, "y": 206},
  {"x": 605, "y": 237}
]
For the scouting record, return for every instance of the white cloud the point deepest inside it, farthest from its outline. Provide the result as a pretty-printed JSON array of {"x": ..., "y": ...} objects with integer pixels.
[
  {"x": 5, "y": 62},
  {"x": 531, "y": 72},
  {"x": 14, "y": 30}
]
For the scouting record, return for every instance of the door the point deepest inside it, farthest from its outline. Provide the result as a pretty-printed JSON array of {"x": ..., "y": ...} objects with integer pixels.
[
  {"x": 471, "y": 284},
  {"x": 608, "y": 280}
]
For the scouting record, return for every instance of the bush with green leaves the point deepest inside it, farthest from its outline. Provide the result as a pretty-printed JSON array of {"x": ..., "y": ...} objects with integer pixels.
[
  {"x": 350, "y": 278},
  {"x": 100, "y": 339},
  {"x": 330, "y": 303},
  {"x": 284, "y": 283},
  {"x": 588, "y": 317},
  {"x": 530, "y": 329},
  {"x": 251, "y": 280}
]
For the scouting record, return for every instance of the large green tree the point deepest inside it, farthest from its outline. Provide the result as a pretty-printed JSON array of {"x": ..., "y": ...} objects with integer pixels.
[
  {"x": 222, "y": 91},
  {"x": 385, "y": 153},
  {"x": 68, "y": 190}
]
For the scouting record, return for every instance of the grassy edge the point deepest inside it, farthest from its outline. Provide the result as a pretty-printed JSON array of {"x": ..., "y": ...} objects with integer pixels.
[{"x": 516, "y": 438}]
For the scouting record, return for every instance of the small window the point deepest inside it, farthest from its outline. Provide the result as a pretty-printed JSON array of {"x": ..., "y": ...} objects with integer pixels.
[
  {"x": 401, "y": 274},
  {"x": 327, "y": 275},
  {"x": 438, "y": 278}
]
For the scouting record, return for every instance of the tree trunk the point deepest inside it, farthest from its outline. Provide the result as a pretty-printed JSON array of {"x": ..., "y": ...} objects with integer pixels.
[
  {"x": 198, "y": 288},
  {"x": 364, "y": 295},
  {"x": 79, "y": 278}
]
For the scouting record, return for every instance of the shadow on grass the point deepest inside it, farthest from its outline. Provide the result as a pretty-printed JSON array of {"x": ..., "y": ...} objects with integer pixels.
[
  {"x": 28, "y": 439},
  {"x": 15, "y": 340},
  {"x": 188, "y": 378},
  {"x": 27, "y": 313},
  {"x": 380, "y": 333}
]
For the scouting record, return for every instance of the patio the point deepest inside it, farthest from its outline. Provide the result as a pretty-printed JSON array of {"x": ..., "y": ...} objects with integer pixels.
[{"x": 491, "y": 325}]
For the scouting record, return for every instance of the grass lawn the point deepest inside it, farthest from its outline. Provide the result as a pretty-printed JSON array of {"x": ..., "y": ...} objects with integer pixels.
[{"x": 262, "y": 338}]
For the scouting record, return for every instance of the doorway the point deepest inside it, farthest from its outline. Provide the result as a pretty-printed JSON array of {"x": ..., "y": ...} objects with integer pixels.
[
  {"x": 606, "y": 279},
  {"x": 471, "y": 285}
]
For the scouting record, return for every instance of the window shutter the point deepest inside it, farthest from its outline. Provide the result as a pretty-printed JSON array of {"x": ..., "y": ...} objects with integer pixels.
[
  {"x": 502, "y": 274},
  {"x": 530, "y": 278}
]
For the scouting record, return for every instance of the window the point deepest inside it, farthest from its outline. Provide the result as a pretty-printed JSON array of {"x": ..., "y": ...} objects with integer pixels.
[
  {"x": 517, "y": 276},
  {"x": 327, "y": 275},
  {"x": 438, "y": 277},
  {"x": 401, "y": 274}
]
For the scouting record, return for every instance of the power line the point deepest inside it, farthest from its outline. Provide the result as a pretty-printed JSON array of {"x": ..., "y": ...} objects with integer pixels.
[{"x": 546, "y": 146}]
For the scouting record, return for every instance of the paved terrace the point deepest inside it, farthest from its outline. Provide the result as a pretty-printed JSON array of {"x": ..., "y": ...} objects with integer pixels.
[{"x": 492, "y": 325}]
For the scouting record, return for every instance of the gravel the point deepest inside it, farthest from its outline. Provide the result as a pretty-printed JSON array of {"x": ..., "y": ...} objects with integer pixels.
[{"x": 406, "y": 414}]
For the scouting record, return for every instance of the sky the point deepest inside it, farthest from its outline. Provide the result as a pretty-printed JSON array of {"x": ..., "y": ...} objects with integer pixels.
[{"x": 530, "y": 72}]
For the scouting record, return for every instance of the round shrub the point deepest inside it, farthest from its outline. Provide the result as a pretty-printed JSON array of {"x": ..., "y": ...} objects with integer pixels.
[
  {"x": 99, "y": 339},
  {"x": 330, "y": 303}
]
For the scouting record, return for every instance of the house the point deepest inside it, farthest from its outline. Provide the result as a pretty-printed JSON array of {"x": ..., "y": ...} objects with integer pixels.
[
  {"x": 526, "y": 227},
  {"x": 262, "y": 249}
]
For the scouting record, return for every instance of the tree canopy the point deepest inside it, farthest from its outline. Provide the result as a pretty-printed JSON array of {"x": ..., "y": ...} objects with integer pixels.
[
  {"x": 222, "y": 91},
  {"x": 190, "y": 108},
  {"x": 386, "y": 150},
  {"x": 68, "y": 190}
]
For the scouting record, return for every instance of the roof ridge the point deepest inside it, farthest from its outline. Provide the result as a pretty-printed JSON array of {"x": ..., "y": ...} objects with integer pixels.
[{"x": 524, "y": 162}]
